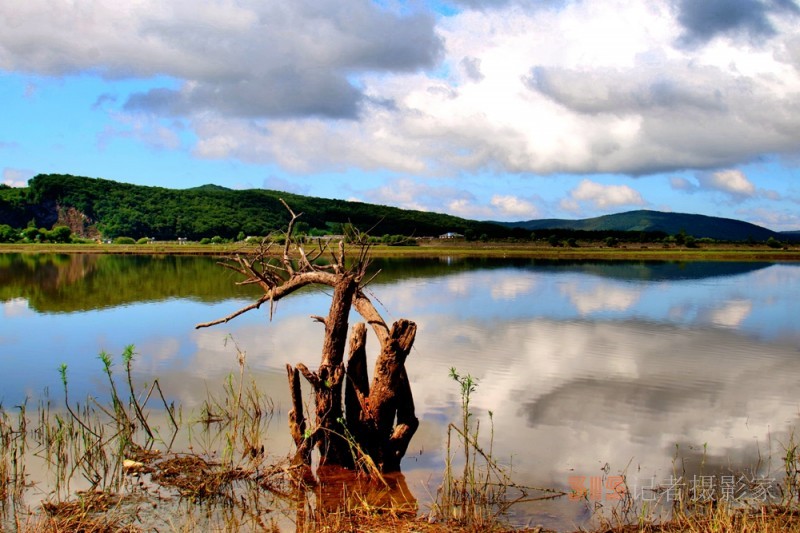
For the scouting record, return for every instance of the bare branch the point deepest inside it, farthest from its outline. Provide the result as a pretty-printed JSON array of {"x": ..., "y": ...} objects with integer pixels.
[
  {"x": 286, "y": 261},
  {"x": 365, "y": 308},
  {"x": 233, "y": 315},
  {"x": 310, "y": 376},
  {"x": 276, "y": 293}
]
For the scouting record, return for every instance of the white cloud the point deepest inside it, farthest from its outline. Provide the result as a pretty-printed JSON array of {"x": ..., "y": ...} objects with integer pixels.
[
  {"x": 682, "y": 184},
  {"x": 731, "y": 182},
  {"x": 590, "y": 88},
  {"x": 513, "y": 206},
  {"x": 146, "y": 129},
  {"x": 14, "y": 177},
  {"x": 594, "y": 86},
  {"x": 247, "y": 58},
  {"x": 601, "y": 196},
  {"x": 412, "y": 194},
  {"x": 774, "y": 219}
]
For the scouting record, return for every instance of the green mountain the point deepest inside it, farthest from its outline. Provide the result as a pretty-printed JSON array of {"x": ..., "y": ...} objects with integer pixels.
[
  {"x": 699, "y": 226},
  {"x": 92, "y": 206},
  {"x": 100, "y": 207}
]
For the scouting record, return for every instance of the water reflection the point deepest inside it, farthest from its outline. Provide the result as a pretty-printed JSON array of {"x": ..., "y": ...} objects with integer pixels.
[{"x": 582, "y": 364}]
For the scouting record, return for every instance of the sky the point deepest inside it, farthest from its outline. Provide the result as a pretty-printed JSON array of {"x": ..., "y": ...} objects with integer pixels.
[{"x": 485, "y": 109}]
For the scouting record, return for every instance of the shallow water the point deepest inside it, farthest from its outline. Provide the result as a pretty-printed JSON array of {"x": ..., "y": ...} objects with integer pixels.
[{"x": 589, "y": 369}]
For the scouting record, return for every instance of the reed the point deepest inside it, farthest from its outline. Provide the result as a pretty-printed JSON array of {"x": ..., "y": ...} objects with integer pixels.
[{"x": 481, "y": 497}]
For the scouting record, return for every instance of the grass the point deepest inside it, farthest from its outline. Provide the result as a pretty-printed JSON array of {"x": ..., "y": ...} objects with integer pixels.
[
  {"x": 111, "y": 467},
  {"x": 437, "y": 248}
]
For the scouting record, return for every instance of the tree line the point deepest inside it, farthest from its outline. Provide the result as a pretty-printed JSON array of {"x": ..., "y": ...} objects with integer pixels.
[{"x": 103, "y": 209}]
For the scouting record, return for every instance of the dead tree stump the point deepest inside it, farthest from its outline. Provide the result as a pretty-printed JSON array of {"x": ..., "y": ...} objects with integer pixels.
[{"x": 374, "y": 421}]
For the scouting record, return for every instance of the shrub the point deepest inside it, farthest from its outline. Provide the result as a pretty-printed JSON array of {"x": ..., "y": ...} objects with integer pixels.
[
  {"x": 124, "y": 240},
  {"x": 8, "y": 234},
  {"x": 60, "y": 234},
  {"x": 143, "y": 240},
  {"x": 772, "y": 242}
]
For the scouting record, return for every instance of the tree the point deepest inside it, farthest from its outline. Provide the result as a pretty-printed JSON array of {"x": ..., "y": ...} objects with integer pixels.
[
  {"x": 60, "y": 234},
  {"x": 31, "y": 234},
  {"x": 366, "y": 413},
  {"x": 8, "y": 234}
]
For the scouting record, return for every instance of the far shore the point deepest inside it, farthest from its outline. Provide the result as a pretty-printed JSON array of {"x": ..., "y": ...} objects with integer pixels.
[{"x": 440, "y": 248}]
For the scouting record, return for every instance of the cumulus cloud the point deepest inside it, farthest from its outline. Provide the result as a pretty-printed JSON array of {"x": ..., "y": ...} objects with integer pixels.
[
  {"x": 601, "y": 196},
  {"x": 432, "y": 196},
  {"x": 679, "y": 183},
  {"x": 702, "y": 21},
  {"x": 731, "y": 182},
  {"x": 413, "y": 194},
  {"x": 513, "y": 206},
  {"x": 15, "y": 177},
  {"x": 588, "y": 88},
  {"x": 774, "y": 219},
  {"x": 561, "y": 87},
  {"x": 244, "y": 58},
  {"x": 146, "y": 129}
]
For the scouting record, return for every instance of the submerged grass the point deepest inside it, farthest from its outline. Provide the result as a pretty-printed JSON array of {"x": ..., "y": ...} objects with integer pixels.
[
  {"x": 480, "y": 498},
  {"x": 109, "y": 468}
]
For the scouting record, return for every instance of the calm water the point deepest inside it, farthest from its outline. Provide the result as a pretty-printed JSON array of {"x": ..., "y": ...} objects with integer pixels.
[{"x": 585, "y": 366}]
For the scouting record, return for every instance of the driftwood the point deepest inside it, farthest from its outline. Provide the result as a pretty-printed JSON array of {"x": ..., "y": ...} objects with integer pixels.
[{"x": 375, "y": 422}]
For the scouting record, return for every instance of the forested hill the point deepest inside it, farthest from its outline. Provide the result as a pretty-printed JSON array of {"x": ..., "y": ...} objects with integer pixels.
[
  {"x": 700, "y": 226},
  {"x": 98, "y": 207},
  {"x": 90, "y": 205}
]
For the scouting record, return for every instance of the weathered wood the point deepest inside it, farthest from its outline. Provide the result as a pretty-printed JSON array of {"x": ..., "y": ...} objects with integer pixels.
[
  {"x": 390, "y": 397},
  {"x": 297, "y": 420},
  {"x": 357, "y": 382},
  {"x": 332, "y": 445},
  {"x": 407, "y": 424},
  {"x": 380, "y": 417}
]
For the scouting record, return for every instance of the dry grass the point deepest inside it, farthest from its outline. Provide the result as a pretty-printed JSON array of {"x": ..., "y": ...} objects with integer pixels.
[
  {"x": 239, "y": 487},
  {"x": 768, "y": 519},
  {"x": 436, "y": 248}
]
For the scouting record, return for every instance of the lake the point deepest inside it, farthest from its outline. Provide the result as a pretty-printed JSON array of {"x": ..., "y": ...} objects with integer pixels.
[{"x": 589, "y": 369}]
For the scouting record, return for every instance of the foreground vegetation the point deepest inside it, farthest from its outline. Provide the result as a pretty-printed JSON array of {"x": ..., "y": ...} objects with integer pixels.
[{"x": 114, "y": 465}]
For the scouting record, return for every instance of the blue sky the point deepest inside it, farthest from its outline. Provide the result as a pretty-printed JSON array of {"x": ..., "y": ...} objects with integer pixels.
[{"x": 486, "y": 109}]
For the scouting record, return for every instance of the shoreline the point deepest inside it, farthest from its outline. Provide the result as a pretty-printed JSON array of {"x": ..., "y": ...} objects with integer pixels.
[{"x": 641, "y": 252}]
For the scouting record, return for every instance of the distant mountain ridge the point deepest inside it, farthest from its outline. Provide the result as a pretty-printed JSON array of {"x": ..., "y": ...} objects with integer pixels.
[
  {"x": 95, "y": 206},
  {"x": 699, "y": 226}
]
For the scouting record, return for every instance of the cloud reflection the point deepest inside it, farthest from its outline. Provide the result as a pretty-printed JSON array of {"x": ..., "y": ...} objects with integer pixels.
[
  {"x": 601, "y": 297},
  {"x": 16, "y": 307},
  {"x": 731, "y": 314}
]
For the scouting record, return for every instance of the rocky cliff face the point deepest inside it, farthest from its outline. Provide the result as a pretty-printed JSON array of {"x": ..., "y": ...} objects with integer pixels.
[{"x": 77, "y": 222}]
